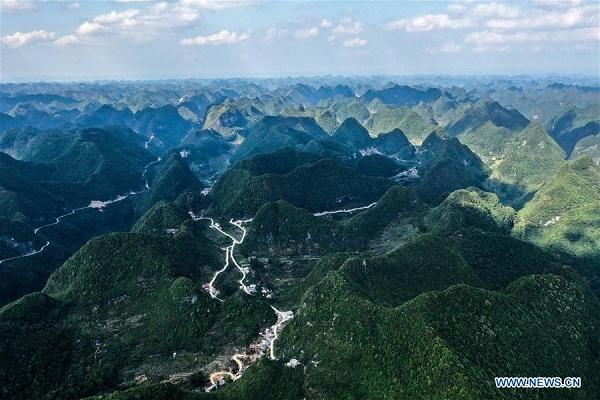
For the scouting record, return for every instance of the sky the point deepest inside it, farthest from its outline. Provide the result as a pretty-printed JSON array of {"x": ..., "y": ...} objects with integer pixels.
[{"x": 60, "y": 40}]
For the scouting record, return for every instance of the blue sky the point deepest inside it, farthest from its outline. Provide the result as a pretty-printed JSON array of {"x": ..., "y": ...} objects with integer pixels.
[{"x": 87, "y": 40}]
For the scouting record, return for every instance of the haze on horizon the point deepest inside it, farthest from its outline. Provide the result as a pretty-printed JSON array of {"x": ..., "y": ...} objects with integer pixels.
[{"x": 126, "y": 39}]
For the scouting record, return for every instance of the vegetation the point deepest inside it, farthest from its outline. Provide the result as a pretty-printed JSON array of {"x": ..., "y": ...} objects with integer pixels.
[
  {"x": 563, "y": 217},
  {"x": 429, "y": 288},
  {"x": 321, "y": 186},
  {"x": 530, "y": 160}
]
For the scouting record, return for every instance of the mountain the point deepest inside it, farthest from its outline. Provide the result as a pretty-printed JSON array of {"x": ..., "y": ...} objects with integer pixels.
[
  {"x": 283, "y": 229},
  {"x": 9, "y": 122},
  {"x": 327, "y": 121},
  {"x": 472, "y": 207},
  {"x": 206, "y": 153},
  {"x": 319, "y": 186},
  {"x": 447, "y": 165},
  {"x": 527, "y": 163},
  {"x": 352, "y": 134},
  {"x": 274, "y": 133},
  {"x": 573, "y": 124},
  {"x": 28, "y": 114},
  {"x": 288, "y": 238},
  {"x": 172, "y": 179},
  {"x": 402, "y": 95},
  {"x": 72, "y": 170},
  {"x": 386, "y": 119},
  {"x": 563, "y": 216},
  {"x": 590, "y": 146},
  {"x": 232, "y": 120},
  {"x": 475, "y": 117},
  {"x": 353, "y": 108},
  {"x": 121, "y": 299},
  {"x": 111, "y": 116},
  {"x": 22, "y": 198},
  {"x": 443, "y": 344},
  {"x": 163, "y": 127}
]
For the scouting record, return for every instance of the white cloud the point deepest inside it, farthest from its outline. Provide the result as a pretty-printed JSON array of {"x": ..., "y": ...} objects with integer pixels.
[
  {"x": 74, "y": 6},
  {"x": 456, "y": 8},
  {"x": 555, "y": 4},
  {"x": 90, "y": 28},
  {"x": 117, "y": 17},
  {"x": 348, "y": 27},
  {"x": 448, "y": 47},
  {"x": 217, "y": 5},
  {"x": 271, "y": 33},
  {"x": 326, "y": 24},
  {"x": 16, "y": 5},
  {"x": 356, "y": 42},
  {"x": 495, "y": 10},
  {"x": 143, "y": 24},
  {"x": 494, "y": 41},
  {"x": 306, "y": 33},
  {"x": 218, "y": 39},
  {"x": 510, "y": 26},
  {"x": 430, "y": 22},
  {"x": 585, "y": 16},
  {"x": 67, "y": 40},
  {"x": 19, "y": 39}
]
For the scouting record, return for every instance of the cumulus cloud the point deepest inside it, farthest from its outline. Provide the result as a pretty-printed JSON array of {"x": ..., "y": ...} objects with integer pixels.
[
  {"x": 456, "y": 8},
  {"x": 19, "y": 39},
  {"x": 74, "y": 6},
  {"x": 218, "y": 39},
  {"x": 17, "y": 5},
  {"x": 306, "y": 33},
  {"x": 348, "y": 27},
  {"x": 271, "y": 33},
  {"x": 554, "y": 4},
  {"x": 345, "y": 27},
  {"x": 217, "y": 5},
  {"x": 141, "y": 24},
  {"x": 67, "y": 40},
  {"x": 502, "y": 26},
  {"x": 430, "y": 22},
  {"x": 326, "y": 24},
  {"x": 495, "y": 10},
  {"x": 549, "y": 19},
  {"x": 356, "y": 42}
]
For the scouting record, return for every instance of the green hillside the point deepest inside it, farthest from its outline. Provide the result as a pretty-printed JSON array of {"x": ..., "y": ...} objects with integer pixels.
[
  {"x": 563, "y": 216},
  {"x": 445, "y": 344},
  {"x": 320, "y": 186},
  {"x": 282, "y": 229},
  {"x": 447, "y": 165},
  {"x": 388, "y": 118},
  {"x": 274, "y": 133},
  {"x": 527, "y": 163},
  {"x": 471, "y": 207},
  {"x": 119, "y": 308},
  {"x": 573, "y": 124},
  {"x": 588, "y": 146}
]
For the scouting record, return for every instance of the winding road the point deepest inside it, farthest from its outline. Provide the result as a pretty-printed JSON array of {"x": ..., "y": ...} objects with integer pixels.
[
  {"x": 282, "y": 317},
  {"x": 228, "y": 252},
  {"x": 345, "y": 210},
  {"x": 95, "y": 204},
  {"x": 271, "y": 333}
]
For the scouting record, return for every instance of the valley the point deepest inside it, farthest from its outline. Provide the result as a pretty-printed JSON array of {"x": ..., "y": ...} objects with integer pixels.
[{"x": 350, "y": 237}]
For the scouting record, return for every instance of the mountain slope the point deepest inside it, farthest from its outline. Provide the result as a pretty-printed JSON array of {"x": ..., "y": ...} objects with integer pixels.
[
  {"x": 319, "y": 186},
  {"x": 527, "y": 163},
  {"x": 563, "y": 216}
]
